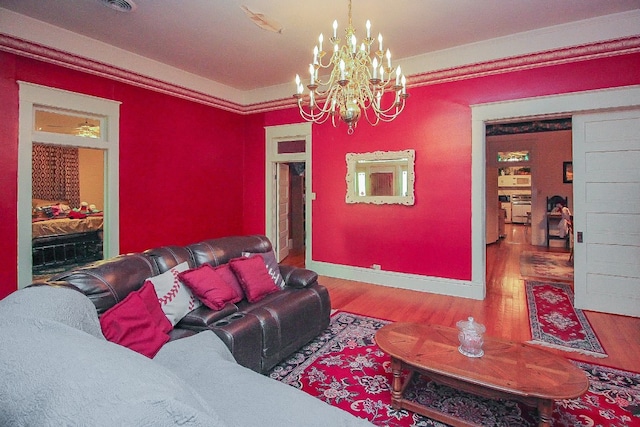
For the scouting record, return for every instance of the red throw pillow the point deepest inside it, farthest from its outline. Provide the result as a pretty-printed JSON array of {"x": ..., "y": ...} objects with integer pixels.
[
  {"x": 254, "y": 278},
  {"x": 148, "y": 295},
  {"x": 272, "y": 266},
  {"x": 129, "y": 324},
  {"x": 229, "y": 276},
  {"x": 209, "y": 287}
]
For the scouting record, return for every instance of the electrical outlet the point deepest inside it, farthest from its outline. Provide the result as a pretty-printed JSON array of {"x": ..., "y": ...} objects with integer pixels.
[{"x": 376, "y": 266}]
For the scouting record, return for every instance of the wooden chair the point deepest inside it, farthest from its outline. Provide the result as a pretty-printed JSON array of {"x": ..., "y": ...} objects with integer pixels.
[
  {"x": 571, "y": 242},
  {"x": 552, "y": 220},
  {"x": 554, "y": 200}
]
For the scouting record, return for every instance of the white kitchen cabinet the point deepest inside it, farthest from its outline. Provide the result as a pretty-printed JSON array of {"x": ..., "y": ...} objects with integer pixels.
[{"x": 514, "y": 181}]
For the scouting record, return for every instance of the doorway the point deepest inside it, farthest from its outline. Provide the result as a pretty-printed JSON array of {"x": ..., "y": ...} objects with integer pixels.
[
  {"x": 297, "y": 205},
  {"x": 68, "y": 207},
  {"x": 95, "y": 127},
  {"x": 288, "y": 184},
  {"x": 524, "y": 166},
  {"x": 291, "y": 206},
  {"x": 568, "y": 104}
]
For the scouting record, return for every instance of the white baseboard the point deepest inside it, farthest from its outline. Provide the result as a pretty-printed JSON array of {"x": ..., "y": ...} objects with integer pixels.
[{"x": 436, "y": 285}]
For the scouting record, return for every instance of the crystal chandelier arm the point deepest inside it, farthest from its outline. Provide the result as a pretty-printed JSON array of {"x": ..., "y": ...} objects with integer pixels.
[{"x": 322, "y": 109}]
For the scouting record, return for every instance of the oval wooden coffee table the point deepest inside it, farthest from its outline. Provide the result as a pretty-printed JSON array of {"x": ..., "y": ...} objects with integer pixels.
[{"x": 508, "y": 370}]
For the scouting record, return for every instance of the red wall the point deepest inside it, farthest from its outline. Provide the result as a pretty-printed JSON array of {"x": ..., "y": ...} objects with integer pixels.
[
  {"x": 189, "y": 172},
  {"x": 433, "y": 237},
  {"x": 181, "y": 163}
]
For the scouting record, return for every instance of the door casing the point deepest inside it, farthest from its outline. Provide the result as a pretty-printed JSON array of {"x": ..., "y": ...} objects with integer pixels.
[
  {"x": 33, "y": 96},
  {"x": 275, "y": 134}
]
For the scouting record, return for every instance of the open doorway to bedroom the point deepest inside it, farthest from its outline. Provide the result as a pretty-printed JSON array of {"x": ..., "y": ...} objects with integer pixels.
[
  {"x": 68, "y": 202},
  {"x": 68, "y": 154}
]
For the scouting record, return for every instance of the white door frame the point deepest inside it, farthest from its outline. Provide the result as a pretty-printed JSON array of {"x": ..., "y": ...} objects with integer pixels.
[
  {"x": 275, "y": 134},
  {"x": 33, "y": 96},
  {"x": 554, "y": 105}
]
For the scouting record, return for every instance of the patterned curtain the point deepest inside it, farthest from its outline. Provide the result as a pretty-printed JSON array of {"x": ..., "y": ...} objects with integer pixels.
[{"x": 56, "y": 173}]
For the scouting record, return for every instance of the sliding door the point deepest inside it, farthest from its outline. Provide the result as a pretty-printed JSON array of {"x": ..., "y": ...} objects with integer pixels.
[{"x": 607, "y": 211}]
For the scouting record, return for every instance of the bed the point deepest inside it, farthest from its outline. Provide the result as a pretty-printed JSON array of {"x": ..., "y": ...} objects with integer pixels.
[{"x": 65, "y": 239}]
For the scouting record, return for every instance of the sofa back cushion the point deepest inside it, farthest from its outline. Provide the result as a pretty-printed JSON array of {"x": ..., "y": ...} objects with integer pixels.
[
  {"x": 167, "y": 257},
  {"x": 220, "y": 251},
  {"x": 108, "y": 282},
  {"x": 61, "y": 304}
]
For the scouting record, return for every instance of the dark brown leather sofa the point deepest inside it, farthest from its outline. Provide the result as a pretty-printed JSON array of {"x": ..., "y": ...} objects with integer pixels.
[{"x": 259, "y": 335}]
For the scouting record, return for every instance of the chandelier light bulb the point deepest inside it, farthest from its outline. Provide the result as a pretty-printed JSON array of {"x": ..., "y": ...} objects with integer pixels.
[
  {"x": 299, "y": 89},
  {"x": 351, "y": 82},
  {"x": 312, "y": 73}
]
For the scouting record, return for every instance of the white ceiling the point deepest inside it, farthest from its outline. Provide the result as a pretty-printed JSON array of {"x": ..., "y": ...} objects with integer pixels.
[{"x": 214, "y": 39}]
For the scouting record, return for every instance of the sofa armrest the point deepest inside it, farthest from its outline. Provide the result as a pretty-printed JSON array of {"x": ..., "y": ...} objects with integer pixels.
[{"x": 296, "y": 277}]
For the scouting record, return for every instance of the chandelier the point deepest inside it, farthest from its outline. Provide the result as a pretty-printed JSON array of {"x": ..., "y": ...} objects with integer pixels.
[
  {"x": 360, "y": 83},
  {"x": 87, "y": 130}
]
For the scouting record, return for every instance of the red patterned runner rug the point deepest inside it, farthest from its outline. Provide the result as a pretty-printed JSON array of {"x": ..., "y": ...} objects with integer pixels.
[
  {"x": 345, "y": 368},
  {"x": 556, "y": 323}
]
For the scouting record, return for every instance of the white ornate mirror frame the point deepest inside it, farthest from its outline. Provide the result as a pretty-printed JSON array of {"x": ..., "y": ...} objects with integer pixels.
[{"x": 381, "y": 177}]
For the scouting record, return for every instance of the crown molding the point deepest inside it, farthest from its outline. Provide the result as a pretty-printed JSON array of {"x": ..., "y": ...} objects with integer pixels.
[
  {"x": 33, "y": 39},
  {"x": 53, "y": 56},
  {"x": 523, "y": 62}
]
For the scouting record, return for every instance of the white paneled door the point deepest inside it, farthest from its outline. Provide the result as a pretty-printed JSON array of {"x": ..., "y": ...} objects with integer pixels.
[
  {"x": 283, "y": 210},
  {"x": 606, "y": 157}
]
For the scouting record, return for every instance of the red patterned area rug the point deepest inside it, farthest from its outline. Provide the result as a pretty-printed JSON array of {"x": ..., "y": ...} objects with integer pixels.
[
  {"x": 546, "y": 265},
  {"x": 556, "y": 323},
  {"x": 345, "y": 368}
]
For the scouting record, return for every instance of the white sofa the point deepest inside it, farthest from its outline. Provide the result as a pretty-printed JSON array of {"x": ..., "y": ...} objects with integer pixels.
[{"x": 58, "y": 369}]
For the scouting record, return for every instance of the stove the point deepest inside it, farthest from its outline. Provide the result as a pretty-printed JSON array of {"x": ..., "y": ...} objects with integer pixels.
[{"x": 520, "y": 208}]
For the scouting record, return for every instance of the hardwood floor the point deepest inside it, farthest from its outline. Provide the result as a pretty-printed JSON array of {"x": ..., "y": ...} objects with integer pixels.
[{"x": 504, "y": 310}]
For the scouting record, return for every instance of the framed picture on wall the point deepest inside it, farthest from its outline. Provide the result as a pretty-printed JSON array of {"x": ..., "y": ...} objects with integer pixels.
[{"x": 567, "y": 172}]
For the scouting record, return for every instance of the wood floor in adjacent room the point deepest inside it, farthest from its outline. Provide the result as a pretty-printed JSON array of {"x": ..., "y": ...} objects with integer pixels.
[{"x": 504, "y": 311}]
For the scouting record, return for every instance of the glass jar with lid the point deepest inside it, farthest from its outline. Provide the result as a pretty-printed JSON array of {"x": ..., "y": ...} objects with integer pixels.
[{"x": 470, "y": 336}]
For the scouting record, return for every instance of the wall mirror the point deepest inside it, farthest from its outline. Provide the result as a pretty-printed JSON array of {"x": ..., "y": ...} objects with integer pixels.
[{"x": 381, "y": 177}]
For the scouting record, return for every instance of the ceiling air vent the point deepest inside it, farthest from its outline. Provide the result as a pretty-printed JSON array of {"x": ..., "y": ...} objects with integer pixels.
[{"x": 119, "y": 5}]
